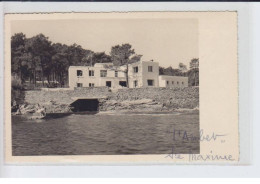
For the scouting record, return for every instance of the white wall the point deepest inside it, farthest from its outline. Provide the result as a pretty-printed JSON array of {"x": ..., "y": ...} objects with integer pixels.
[
  {"x": 141, "y": 76},
  {"x": 154, "y": 75},
  {"x": 135, "y": 76},
  {"x": 85, "y": 79},
  {"x": 173, "y": 81}
]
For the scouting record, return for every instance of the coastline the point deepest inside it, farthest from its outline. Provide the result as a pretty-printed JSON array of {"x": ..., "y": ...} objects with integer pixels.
[{"x": 154, "y": 100}]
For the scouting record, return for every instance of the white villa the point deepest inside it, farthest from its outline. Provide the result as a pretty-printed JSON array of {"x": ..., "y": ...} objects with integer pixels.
[{"x": 140, "y": 74}]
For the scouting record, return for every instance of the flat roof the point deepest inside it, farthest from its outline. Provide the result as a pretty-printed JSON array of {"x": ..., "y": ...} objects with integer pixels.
[
  {"x": 170, "y": 76},
  {"x": 80, "y": 66}
]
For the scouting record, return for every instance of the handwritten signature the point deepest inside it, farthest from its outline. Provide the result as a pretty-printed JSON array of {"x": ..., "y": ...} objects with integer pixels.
[
  {"x": 199, "y": 157},
  {"x": 184, "y": 136}
]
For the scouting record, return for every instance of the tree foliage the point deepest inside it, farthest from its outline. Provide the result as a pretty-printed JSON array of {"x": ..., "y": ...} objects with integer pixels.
[
  {"x": 38, "y": 59},
  {"x": 182, "y": 67},
  {"x": 18, "y": 54},
  {"x": 124, "y": 55},
  {"x": 192, "y": 73},
  {"x": 194, "y": 64}
]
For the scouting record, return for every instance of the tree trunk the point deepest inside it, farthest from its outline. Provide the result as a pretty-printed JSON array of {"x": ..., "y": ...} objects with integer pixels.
[
  {"x": 34, "y": 77},
  {"x": 62, "y": 80},
  {"x": 42, "y": 79},
  {"x": 127, "y": 80},
  {"x": 31, "y": 76},
  {"x": 59, "y": 78},
  {"x": 48, "y": 78},
  {"x": 55, "y": 77},
  {"x": 21, "y": 75},
  {"x": 194, "y": 77}
]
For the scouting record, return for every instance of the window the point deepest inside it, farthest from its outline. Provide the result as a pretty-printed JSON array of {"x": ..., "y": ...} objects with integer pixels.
[
  {"x": 177, "y": 82},
  {"x": 150, "y": 68},
  {"x": 91, "y": 84},
  {"x": 172, "y": 82},
  {"x": 182, "y": 83},
  {"x": 122, "y": 83},
  {"x": 79, "y": 73},
  {"x": 103, "y": 73},
  {"x": 79, "y": 85},
  {"x": 91, "y": 73},
  {"x": 167, "y": 82},
  {"x": 108, "y": 83},
  {"x": 136, "y": 69},
  {"x": 135, "y": 83},
  {"x": 150, "y": 82},
  {"x": 116, "y": 73}
]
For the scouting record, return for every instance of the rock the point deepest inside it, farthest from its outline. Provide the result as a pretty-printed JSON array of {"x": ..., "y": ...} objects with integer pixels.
[
  {"x": 51, "y": 102},
  {"x": 196, "y": 108},
  {"x": 34, "y": 111},
  {"x": 39, "y": 114},
  {"x": 14, "y": 108},
  {"x": 18, "y": 112},
  {"x": 131, "y": 105},
  {"x": 112, "y": 102},
  {"x": 136, "y": 102}
]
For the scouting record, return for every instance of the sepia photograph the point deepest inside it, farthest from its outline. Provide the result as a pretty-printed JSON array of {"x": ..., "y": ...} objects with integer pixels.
[{"x": 105, "y": 86}]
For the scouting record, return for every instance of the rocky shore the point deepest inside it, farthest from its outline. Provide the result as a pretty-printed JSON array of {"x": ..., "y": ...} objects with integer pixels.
[
  {"x": 34, "y": 111},
  {"x": 37, "y": 111},
  {"x": 39, "y": 103}
]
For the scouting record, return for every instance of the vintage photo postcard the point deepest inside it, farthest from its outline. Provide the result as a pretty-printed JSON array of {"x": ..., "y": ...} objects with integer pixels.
[{"x": 121, "y": 88}]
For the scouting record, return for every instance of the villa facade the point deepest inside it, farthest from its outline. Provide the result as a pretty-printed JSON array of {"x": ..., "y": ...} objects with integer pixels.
[{"x": 140, "y": 74}]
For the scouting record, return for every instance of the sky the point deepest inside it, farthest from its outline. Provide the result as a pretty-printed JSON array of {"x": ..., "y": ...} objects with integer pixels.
[{"x": 167, "y": 41}]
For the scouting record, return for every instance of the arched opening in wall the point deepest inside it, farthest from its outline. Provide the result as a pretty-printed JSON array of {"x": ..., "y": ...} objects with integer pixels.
[{"x": 81, "y": 105}]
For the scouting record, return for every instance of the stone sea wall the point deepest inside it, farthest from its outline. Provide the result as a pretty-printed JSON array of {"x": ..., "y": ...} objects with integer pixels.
[
  {"x": 175, "y": 97},
  {"x": 137, "y": 99},
  {"x": 64, "y": 96}
]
